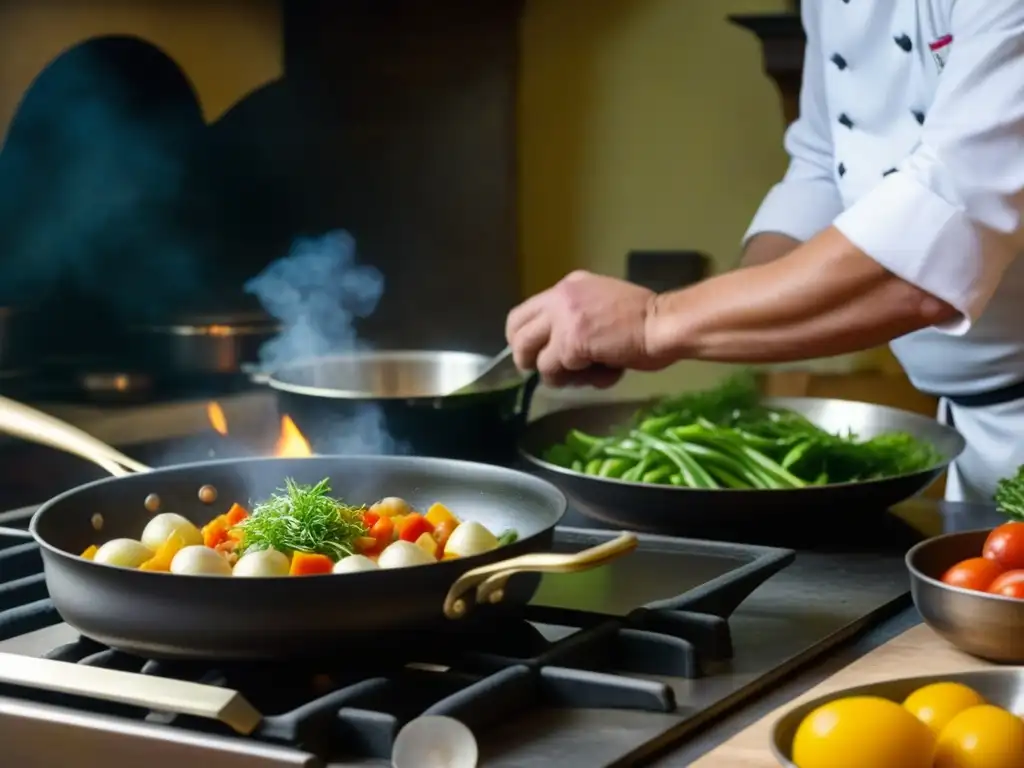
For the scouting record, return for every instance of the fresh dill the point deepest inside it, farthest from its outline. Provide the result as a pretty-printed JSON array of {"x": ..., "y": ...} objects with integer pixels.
[{"x": 303, "y": 518}]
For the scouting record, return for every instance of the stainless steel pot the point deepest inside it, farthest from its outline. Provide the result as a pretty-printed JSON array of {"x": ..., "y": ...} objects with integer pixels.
[
  {"x": 395, "y": 402},
  {"x": 200, "y": 345}
]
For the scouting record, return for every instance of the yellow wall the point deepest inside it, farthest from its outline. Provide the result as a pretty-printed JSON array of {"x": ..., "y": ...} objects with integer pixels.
[
  {"x": 644, "y": 124},
  {"x": 227, "y": 49}
]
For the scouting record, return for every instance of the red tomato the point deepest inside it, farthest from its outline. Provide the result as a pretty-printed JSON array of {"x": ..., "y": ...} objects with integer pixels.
[
  {"x": 1009, "y": 584},
  {"x": 1005, "y": 545},
  {"x": 976, "y": 573}
]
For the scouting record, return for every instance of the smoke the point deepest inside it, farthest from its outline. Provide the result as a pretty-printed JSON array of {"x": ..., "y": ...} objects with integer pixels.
[{"x": 317, "y": 292}]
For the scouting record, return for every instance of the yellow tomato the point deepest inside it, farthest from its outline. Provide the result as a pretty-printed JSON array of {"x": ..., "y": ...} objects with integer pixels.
[
  {"x": 862, "y": 731},
  {"x": 935, "y": 705},
  {"x": 981, "y": 737}
]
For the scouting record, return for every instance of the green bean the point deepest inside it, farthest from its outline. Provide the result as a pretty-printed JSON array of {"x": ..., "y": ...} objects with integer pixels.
[
  {"x": 655, "y": 425},
  {"x": 677, "y": 480},
  {"x": 578, "y": 466},
  {"x": 585, "y": 445},
  {"x": 728, "y": 479},
  {"x": 617, "y": 451},
  {"x": 659, "y": 475},
  {"x": 796, "y": 453},
  {"x": 593, "y": 466},
  {"x": 725, "y": 462},
  {"x": 560, "y": 455},
  {"x": 615, "y": 467},
  {"x": 693, "y": 473},
  {"x": 637, "y": 472}
]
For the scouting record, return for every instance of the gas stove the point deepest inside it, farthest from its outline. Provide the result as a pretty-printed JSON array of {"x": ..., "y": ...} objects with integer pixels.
[{"x": 607, "y": 668}]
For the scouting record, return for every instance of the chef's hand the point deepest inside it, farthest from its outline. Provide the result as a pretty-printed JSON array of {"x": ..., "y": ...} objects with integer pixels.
[{"x": 586, "y": 330}]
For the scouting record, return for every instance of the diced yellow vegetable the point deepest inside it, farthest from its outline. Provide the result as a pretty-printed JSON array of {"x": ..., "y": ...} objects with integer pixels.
[
  {"x": 428, "y": 544},
  {"x": 90, "y": 552},
  {"x": 161, "y": 559},
  {"x": 438, "y": 513}
]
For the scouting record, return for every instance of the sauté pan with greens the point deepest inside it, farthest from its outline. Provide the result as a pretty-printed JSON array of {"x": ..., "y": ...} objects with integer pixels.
[{"x": 726, "y": 438}]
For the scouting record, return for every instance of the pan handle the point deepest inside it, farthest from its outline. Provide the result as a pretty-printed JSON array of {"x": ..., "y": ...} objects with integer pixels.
[
  {"x": 38, "y": 427},
  {"x": 157, "y": 693},
  {"x": 489, "y": 580}
]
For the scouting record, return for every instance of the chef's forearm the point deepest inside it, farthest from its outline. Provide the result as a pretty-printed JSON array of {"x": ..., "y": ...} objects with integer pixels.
[
  {"x": 825, "y": 298},
  {"x": 766, "y": 247}
]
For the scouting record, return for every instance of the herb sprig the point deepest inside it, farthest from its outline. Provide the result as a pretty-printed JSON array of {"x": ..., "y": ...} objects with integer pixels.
[{"x": 303, "y": 518}]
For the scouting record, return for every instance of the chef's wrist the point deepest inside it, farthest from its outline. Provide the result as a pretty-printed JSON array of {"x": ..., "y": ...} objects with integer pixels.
[{"x": 668, "y": 334}]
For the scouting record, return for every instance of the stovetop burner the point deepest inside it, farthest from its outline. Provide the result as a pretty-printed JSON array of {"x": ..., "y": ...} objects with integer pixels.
[
  {"x": 605, "y": 668},
  {"x": 612, "y": 656}
]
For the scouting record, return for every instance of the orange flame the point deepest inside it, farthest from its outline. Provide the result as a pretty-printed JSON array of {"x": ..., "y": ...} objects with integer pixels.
[
  {"x": 218, "y": 420},
  {"x": 292, "y": 444}
]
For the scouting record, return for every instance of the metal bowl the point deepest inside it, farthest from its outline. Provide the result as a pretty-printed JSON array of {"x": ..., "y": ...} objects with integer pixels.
[
  {"x": 988, "y": 626},
  {"x": 709, "y": 513},
  {"x": 1002, "y": 687}
]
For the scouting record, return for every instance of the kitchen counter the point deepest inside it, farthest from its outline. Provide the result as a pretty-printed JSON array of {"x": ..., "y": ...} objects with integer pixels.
[{"x": 953, "y": 517}]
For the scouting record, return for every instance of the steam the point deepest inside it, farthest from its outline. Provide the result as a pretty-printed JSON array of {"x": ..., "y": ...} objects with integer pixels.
[{"x": 317, "y": 292}]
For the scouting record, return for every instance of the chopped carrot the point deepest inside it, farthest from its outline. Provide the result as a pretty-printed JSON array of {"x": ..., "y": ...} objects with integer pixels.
[
  {"x": 411, "y": 527},
  {"x": 161, "y": 559},
  {"x": 383, "y": 531},
  {"x": 215, "y": 531},
  {"x": 236, "y": 514},
  {"x": 449, "y": 556},
  {"x": 90, "y": 552},
  {"x": 310, "y": 564},
  {"x": 438, "y": 513},
  {"x": 369, "y": 518}
]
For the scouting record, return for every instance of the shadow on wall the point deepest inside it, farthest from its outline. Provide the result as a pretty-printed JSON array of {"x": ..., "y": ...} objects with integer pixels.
[{"x": 116, "y": 195}]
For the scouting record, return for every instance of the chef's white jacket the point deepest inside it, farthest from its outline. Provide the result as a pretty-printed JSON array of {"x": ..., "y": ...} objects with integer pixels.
[{"x": 910, "y": 141}]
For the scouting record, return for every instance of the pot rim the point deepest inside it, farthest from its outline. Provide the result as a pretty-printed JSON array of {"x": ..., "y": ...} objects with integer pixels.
[{"x": 407, "y": 355}]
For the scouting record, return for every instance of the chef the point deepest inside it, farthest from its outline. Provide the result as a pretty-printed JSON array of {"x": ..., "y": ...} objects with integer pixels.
[{"x": 898, "y": 220}]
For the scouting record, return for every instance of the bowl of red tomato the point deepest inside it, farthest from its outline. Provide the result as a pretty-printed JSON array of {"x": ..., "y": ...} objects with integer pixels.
[{"x": 969, "y": 588}]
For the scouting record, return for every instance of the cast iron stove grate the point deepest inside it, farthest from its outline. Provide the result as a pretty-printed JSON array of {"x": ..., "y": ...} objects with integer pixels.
[{"x": 485, "y": 675}]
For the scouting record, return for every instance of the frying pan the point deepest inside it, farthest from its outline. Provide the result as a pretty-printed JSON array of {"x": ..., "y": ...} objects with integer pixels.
[
  {"x": 713, "y": 513},
  {"x": 162, "y": 615}
]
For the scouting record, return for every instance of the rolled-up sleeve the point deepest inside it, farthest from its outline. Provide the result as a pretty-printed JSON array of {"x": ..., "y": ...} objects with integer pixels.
[
  {"x": 949, "y": 221},
  {"x": 807, "y": 200}
]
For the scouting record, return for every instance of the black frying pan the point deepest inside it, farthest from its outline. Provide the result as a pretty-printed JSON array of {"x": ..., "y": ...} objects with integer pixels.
[{"x": 163, "y": 615}]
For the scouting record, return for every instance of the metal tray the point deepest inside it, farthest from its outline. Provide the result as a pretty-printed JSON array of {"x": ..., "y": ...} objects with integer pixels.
[{"x": 1002, "y": 687}]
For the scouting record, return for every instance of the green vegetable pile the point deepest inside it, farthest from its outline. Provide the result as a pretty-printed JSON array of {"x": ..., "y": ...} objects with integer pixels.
[
  {"x": 1009, "y": 496},
  {"x": 725, "y": 438},
  {"x": 303, "y": 518}
]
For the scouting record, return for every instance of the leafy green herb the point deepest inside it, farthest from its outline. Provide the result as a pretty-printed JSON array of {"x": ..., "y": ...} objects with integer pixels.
[
  {"x": 303, "y": 518},
  {"x": 1009, "y": 496}
]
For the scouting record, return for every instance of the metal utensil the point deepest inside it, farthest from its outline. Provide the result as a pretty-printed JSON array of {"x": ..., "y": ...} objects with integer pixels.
[
  {"x": 722, "y": 512},
  {"x": 492, "y": 372},
  {"x": 1002, "y": 687},
  {"x": 988, "y": 626}
]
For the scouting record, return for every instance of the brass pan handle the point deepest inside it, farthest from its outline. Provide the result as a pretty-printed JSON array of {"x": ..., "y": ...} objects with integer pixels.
[
  {"x": 157, "y": 693},
  {"x": 489, "y": 580},
  {"x": 35, "y": 426}
]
